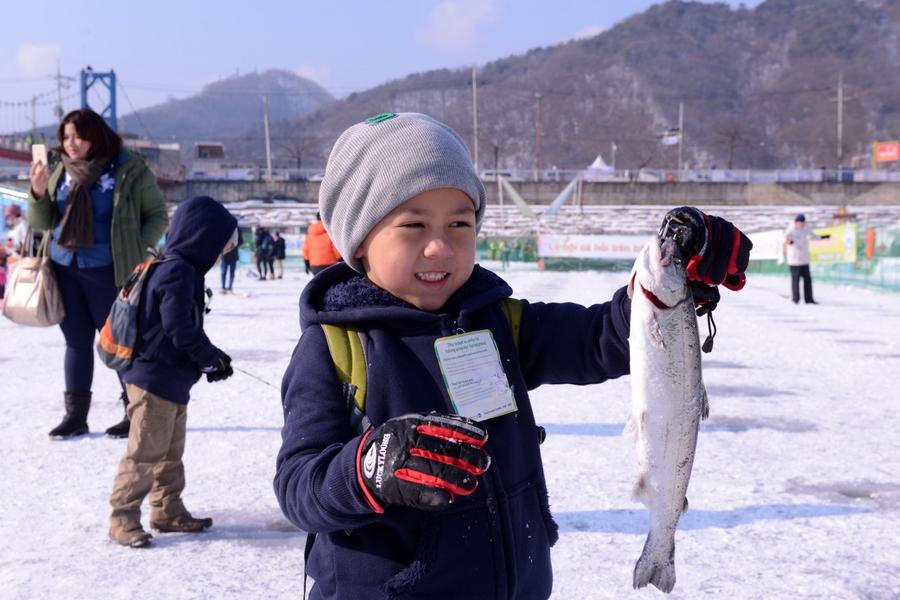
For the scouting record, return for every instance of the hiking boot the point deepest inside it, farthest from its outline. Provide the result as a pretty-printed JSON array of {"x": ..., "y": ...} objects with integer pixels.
[
  {"x": 74, "y": 422},
  {"x": 131, "y": 535},
  {"x": 182, "y": 524},
  {"x": 121, "y": 429}
]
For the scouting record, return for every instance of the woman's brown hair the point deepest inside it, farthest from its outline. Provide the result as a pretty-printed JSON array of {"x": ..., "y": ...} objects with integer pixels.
[{"x": 105, "y": 143}]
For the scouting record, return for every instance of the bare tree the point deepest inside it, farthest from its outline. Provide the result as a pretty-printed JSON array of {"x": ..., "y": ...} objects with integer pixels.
[{"x": 730, "y": 133}]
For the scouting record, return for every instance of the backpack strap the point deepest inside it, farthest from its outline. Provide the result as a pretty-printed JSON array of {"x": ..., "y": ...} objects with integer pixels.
[
  {"x": 347, "y": 349},
  {"x": 512, "y": 309}
]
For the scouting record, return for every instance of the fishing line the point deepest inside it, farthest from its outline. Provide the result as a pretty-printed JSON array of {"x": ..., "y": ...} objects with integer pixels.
[{"x": 256, "y": 377}]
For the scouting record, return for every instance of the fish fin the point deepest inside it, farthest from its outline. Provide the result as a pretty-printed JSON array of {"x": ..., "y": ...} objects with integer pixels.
[
  {"x": 641, "y": 493},
  {"x": 649, "y": 569},
  {"x": 703, "y": 401},
  {"x": 655, "y": 334}
]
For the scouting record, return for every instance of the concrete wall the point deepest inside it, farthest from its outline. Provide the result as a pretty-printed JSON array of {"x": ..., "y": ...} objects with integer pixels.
[{"x": 666, "y": 194}]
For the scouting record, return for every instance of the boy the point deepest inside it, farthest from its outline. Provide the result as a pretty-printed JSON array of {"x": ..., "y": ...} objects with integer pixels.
[
  {"x": 159, "y": 380},
  {"x": 426, "y": 503}
]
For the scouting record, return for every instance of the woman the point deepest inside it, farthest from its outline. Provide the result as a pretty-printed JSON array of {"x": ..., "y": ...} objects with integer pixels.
[{"x": 104, "y": 209}]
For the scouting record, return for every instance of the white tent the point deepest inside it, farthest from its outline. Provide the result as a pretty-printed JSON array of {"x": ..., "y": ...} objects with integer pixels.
[{"x": 598, "y": 170}]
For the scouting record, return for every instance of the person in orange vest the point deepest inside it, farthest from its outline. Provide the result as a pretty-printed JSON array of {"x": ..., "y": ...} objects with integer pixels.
[{"x": 318, "y": 251}]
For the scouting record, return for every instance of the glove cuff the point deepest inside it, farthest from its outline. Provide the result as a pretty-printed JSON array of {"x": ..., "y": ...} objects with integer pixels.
[{"x": 367, "y": 494}]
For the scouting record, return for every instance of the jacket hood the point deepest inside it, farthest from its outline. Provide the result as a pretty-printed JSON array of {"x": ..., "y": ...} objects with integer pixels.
[
  {"x": 341, "y": 295},
  {"x": 198, "y": 232},
  {"x": 316, "y": 228}
]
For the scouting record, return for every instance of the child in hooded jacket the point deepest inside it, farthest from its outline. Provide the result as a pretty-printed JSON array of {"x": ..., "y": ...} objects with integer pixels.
[
  {"x": 425, "y": 502},
  {"x": 158, "y": 382}
]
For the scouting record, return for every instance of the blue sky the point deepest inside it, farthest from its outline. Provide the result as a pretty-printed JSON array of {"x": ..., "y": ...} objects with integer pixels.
[{"x": 171, "y": 49}]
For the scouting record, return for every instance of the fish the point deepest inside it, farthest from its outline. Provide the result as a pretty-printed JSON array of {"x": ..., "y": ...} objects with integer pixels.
[{"x": 668, "y": 400}]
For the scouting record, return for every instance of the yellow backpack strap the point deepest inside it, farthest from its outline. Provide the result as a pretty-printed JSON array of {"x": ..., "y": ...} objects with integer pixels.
[
  {"x": 348, "y": 355},
  {"x": 512, "y": 308}
]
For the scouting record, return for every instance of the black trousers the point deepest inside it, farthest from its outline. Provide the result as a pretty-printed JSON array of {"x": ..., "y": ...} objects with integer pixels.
[
  {"x": 798, "y": 273},
  {"x": 87, "y": 295}
]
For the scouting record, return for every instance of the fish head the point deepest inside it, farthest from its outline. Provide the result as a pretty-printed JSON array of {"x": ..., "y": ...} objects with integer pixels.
[{"x": 660, "y": 272}]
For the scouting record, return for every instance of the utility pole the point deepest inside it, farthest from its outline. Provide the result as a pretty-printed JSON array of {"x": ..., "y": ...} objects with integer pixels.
[
  {"x": 268, "y": 144},
  {"x": 58, "y": 109},
  {"x": 840, "y": 120},
  {"x": 475, "y": 118},
  {"x": 840, "y": 99},
  {"x": 34, "y": 117},
  {"x": 680, "y": 132},
  {"x": 613, "y": 148},
  {"x": 537, "y": 133}
]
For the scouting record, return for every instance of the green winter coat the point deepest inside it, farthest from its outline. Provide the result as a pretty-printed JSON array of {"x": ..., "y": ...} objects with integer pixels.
[{"x": 139, "y": 216}]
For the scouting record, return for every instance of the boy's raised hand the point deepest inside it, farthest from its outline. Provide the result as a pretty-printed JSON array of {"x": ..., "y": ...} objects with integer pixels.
[
  {"x": 716, "y": 251},
  {"x": 421, "y": 460}
]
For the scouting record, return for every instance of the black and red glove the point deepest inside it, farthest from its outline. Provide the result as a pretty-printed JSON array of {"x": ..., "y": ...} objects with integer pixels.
[
  {"x": 717, "y": 252},
  {"x": 421, "y": 460}
]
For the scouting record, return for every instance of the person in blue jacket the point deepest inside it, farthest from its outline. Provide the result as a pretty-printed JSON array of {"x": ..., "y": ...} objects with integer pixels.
[
  {"x": 159, "y": 380},
  {"x": 443, "y": 494}
]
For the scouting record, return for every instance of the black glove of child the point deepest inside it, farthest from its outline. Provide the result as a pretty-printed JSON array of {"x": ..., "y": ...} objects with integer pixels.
[
  {"x": 218, "y": 369},
  {"x": 421, "y": 460},
  {"x": 717, "y": 252},
  {"x": 307, "y": 266}
]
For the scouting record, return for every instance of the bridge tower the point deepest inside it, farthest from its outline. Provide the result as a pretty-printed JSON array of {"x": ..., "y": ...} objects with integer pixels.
[{"x": 89, "y": 77}]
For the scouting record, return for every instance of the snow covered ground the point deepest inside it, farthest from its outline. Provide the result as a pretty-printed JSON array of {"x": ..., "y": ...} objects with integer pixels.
[{"x": 795, "y": 491}]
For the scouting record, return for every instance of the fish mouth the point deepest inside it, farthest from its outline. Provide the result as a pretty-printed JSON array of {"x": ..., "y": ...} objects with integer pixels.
[{"x": 669, "y": 252}]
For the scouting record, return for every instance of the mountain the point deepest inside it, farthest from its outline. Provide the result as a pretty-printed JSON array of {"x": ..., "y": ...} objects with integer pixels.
[
  {"x": 757, "y": 88},
  {"x": 227, "y": 109}
]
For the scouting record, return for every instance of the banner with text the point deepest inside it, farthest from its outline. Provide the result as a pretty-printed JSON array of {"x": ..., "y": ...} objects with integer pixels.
[
  {"x": 767, "y": 245},
  {"x": 610, "y": 247},
  {"x": 839, "y": 248}
]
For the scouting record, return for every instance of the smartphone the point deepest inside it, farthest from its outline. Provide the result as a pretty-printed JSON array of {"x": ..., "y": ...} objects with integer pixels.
[{"x": 39, "y": 154}]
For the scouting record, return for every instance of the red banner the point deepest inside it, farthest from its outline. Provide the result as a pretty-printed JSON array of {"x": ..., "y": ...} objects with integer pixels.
[{"x": 887, "y": 151}]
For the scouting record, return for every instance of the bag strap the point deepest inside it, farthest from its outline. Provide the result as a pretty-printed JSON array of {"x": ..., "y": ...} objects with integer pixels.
[{"x": 347, "y": 348}]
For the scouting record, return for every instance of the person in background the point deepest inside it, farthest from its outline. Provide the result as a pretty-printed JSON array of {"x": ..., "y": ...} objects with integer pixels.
[
  {"x": 278, "y": 254},
  {"x": 228, "y": 264},
  {"x": 318, "y": 250},
  {"x": 419, "y": 501},
  {"x": 159, "y": 380},
  {"x": 2, "y": 273},
  {"x": 264, "y": 245},
  {"x": 17, "y": 228},
  {"x": 105, "y": 212},
  {"x": 796, "y": 244}
]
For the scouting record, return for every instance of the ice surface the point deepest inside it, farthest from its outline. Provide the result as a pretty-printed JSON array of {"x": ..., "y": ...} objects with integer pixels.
[{"x": 795, "y": 491}]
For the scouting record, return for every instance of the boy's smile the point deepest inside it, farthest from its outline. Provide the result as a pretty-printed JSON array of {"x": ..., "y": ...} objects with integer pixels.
[{"x": 423, "y": 250}]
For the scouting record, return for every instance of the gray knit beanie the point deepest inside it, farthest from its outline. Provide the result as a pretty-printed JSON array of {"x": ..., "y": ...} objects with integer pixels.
[{"x": 377, "y": 165}]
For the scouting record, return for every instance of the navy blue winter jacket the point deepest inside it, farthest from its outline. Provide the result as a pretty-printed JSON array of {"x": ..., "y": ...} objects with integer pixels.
[
  {"x": 173, "y": 295},
  {"x": 494, "y": 544}
]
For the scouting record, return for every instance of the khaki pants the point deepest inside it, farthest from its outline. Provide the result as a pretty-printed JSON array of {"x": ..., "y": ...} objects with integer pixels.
[
  {"x": 152, "y": 462},
  {"x": 279, "y": 268}
]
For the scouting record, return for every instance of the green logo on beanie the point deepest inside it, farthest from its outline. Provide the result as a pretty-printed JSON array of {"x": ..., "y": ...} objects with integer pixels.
[{"x": 379, "y": 118}]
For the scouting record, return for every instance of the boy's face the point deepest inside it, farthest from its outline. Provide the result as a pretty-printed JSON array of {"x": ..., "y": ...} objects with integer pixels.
[{"x": 424, "y": 250}]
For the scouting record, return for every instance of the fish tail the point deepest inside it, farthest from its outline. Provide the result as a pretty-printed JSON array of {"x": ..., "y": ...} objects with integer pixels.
[{"x": 650, "y": 569}]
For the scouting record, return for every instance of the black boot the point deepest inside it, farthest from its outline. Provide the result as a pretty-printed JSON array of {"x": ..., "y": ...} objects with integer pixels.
[
  {"x": 75, "y": 422},
  {"x": 120, "y": 429}
]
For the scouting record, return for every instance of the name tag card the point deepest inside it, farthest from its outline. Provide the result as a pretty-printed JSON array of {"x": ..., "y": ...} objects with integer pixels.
[{"x": 474, "y": 376}]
